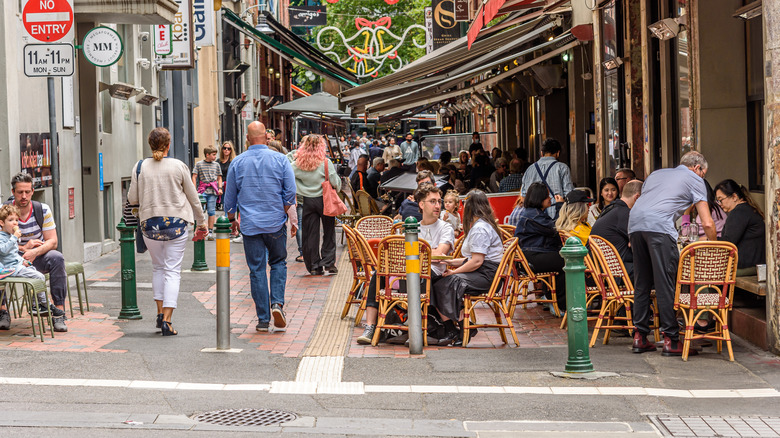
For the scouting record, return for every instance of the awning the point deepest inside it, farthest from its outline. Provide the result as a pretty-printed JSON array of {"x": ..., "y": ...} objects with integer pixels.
[
  {"x": 445, "y": 63},
  {"x": 319, "y": 103},
  {"x": 493, "y": 8},
  {"x": 460, "y": 71},
  {"x": 296, "y": 51},
  {"x": 131, "y": 12}
]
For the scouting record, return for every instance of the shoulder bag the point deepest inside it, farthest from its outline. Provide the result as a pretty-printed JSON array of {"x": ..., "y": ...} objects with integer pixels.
[{"x": 331, "y": 203}]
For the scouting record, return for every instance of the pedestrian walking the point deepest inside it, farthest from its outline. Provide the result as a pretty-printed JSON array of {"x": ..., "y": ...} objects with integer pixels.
[
  {"x": 167, "y": 203},
  {"x": 261, "y": 184},
  {"x": 410, "y": 150},
  {"x": 207, "y": 177},
  {"x": 666, "y": 194},
  {"x": 226, "y": 155},
  {"x": 310, "y": 172}
]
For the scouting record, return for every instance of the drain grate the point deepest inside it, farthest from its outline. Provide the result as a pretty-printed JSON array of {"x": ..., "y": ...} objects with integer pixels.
[
  {"x": 693, "y": 426},
  {"x": 246, "y": 417}
]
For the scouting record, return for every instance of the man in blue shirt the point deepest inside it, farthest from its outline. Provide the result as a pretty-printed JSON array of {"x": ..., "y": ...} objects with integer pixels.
[
  {"x": 551, "y": 172},
  {"x": 666, "y": 194},
  {"x": 261, "y": 183}
]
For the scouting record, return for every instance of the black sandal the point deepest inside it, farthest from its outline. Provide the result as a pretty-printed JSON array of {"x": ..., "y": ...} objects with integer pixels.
[
  {"x": 167, "y": 330},
  {"x": 299, "y": 259},
  {"x": 159, "y": 320}
]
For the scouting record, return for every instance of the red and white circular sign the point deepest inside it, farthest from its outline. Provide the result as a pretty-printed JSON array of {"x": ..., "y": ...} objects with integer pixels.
[{"x": 48, "y": 20}]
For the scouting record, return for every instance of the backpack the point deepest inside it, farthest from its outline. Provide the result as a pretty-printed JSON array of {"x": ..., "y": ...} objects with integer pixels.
[{"x": 37, "y": 211}]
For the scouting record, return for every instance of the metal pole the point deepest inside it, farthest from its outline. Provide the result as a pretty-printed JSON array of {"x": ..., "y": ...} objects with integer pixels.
[
  {"x": 55, "y": 160},
  {"x": 222, "y": 230},
  {"x": 579, "y": 355},
  {"x": 199, "y": 254},
  {"x": 413, "y": 286},
  {"x": 127, "y": 248}
]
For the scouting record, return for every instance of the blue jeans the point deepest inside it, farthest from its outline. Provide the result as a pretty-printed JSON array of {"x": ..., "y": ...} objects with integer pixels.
[
  {"x": 211, "y": 204},
  {"x": 262, "y": 249}
]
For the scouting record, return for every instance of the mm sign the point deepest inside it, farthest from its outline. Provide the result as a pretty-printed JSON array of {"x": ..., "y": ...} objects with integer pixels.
[{"x": 48, "y": 21}]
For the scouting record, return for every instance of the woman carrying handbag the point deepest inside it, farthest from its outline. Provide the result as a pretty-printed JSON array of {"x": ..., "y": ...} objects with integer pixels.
[{"x": 312, "y": 168}]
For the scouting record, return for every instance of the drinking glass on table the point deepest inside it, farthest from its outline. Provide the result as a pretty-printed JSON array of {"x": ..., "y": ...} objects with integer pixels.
[
  {"x": 693, "y": 233},
  {"x": 684, "y": 234}
]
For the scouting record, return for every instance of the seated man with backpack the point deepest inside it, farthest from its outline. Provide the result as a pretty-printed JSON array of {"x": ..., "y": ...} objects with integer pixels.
[{"x": 38, "y": 245}]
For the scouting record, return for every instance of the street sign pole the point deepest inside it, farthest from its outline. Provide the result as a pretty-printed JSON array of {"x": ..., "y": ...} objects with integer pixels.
[{"x": 55, "y": 159}]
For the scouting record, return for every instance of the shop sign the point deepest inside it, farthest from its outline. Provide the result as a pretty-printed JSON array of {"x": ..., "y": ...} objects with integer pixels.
[
  {"x": 461, "y": 10},
  {"x": 445, "y": 28},
  {"x": 308, "y": 16},
  {"x": 163, "y": 44},
  {"x": 102, "y": 46},
  {"x": 429, "y": 29},
  {"x": 203, "y": 22},
  {"x": 71, "y": 203},
  {"x": 183, "y": 48},
  {"x": 35, "y": 149}
]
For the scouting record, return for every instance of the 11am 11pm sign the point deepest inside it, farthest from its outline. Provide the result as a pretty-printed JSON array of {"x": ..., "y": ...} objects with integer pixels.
[{"x": 41, "y": 60}]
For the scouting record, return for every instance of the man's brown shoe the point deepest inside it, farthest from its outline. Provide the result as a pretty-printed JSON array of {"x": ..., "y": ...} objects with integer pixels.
[
  {"x": 675, "y": 348},
  {"x": 641, "y": 344}
]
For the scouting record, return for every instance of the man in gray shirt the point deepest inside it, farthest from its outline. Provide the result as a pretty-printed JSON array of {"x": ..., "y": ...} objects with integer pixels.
[
  {"x": 666, "y": 194},
  {"x": 410, "y": 150},
  {"x": 551, "y": 172}
]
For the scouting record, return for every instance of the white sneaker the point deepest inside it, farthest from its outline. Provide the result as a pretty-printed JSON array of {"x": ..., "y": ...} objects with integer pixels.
[{"x": 239, "y": 239}]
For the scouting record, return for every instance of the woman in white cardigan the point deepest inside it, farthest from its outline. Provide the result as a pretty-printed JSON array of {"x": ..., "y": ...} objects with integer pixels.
[{"x": 168, "y": 202}]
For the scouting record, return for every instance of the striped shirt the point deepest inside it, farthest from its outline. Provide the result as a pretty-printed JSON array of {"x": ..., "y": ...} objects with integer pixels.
[
  {"x": 30, "y": 228},
  {"x": 207, "y": 172}
]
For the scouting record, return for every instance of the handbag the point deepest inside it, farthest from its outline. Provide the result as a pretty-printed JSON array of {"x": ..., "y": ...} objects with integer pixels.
[
  {"x": 331, "y": 203},
  {"x": 130, "y": 215}
]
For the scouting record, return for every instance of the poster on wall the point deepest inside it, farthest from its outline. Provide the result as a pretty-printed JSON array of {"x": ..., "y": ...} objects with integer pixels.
[
  {"x": 182, "y": 43},
  {"x": 35, "y": 149},
  {"x": 445, "y": 28},
  {"x": 203, "y": 22}
]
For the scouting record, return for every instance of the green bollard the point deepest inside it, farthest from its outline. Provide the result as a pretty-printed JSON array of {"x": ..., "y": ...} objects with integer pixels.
[
  {"x": 199, "y": 259},
  {"x": 579, "y": 357},
  {"x": 127, "y": 247}
]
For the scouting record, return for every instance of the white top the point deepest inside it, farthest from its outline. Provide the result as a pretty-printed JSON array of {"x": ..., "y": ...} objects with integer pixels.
[
  {"x": 483, "y": 239},
  {"x": 452, "y": 218},
  {"x": 438, "y": 233},
  {"x": 593, "y": 214}
]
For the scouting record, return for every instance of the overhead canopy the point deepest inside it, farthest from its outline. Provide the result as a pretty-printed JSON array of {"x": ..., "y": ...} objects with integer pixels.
[
  {"x": 292, "y": 48},
  {"x": 455, "y": 71},
  {"x": 493, "y": 8},
  {"x": 321, "y": 102}
]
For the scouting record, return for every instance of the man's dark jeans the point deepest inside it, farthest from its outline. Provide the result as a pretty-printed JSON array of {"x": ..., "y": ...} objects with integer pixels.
[
  {"x": 53, "y": 263},
  {"x": 271, "y": 249},
  {"x": 655, "y": 264}
]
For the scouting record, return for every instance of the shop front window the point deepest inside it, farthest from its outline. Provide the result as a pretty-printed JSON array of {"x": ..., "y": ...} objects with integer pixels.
[
  {"x": 614, "y": 104},
  {"x": 683, "y": 84}
]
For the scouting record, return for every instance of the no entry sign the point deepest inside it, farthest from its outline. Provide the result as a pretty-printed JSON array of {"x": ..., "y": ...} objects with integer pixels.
[{"x": 48, "y": 21}]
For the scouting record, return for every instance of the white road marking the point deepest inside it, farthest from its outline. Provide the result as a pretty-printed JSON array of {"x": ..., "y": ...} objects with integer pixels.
[{"x": 358, "y": 388}]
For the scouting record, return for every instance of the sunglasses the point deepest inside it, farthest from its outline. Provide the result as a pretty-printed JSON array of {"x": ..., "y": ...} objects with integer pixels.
[{"x": 227, "y": 149}]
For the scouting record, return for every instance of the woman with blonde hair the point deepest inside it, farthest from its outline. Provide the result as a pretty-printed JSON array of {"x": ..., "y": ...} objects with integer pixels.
[
  {"x": 574, "y": 215},
  {"x": 167, "y": 201},
  {"x": 309, "y": 167}
]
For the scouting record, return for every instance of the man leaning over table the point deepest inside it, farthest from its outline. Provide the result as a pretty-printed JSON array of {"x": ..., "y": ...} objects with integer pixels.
[
  {"x": 666, "y": 194},
  {"x": 439, "y": 235}
]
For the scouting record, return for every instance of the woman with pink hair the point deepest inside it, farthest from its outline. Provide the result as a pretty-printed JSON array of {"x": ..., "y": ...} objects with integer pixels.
[{"x": 310, "y": 173}]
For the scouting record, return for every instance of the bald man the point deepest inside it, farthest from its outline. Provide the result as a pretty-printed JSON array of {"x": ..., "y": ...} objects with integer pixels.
[{"x": 261, "y": 183}]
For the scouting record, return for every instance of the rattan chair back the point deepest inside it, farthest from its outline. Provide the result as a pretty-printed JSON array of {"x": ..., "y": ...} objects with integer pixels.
[
  {"x": 365, "y": 203},
  {"x": 705, "y": 267},
  {"x": 374, "y": 226}
]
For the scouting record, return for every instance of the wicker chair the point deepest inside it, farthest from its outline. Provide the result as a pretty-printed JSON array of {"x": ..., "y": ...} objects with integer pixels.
[
  {"x": 525, "y": 276},
  {"x": 456, "y": 252},
  {"x": 351, "y": 217},
  {"x": 498, "y": 298},
  {"x": 363, "y": 265},
  {"x": 595, "y": 289},
  {"x": 374, "y": 227},
  {"x": 614, "y": 295},
  {"x": 366, "y": 204},
  {"x": 705, "y": 285},
  {"x": 398, "y": 229},
  {"x": 391, "y": 263},
  {"x": 507, "y": 231}
]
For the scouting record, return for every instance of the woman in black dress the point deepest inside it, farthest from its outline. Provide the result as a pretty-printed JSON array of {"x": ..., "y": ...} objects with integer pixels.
[{"x": 744, "y": 225}]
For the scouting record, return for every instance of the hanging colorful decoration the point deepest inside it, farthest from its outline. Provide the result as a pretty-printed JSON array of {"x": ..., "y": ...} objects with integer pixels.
[
  {"x": 389, "y": 2},
  {"x": 373, "y": 47}
]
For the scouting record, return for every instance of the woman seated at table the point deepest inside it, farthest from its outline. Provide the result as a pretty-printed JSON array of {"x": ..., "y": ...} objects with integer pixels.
[
  {"x": 716, "y": 211},
  {"x": 744, "y": 225},
  {"x": 573, "y": 215},
  {"x": 608, "y": 192},
  {"x": 473, "y": 273},
  {"x": 538, "y": 237}
]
